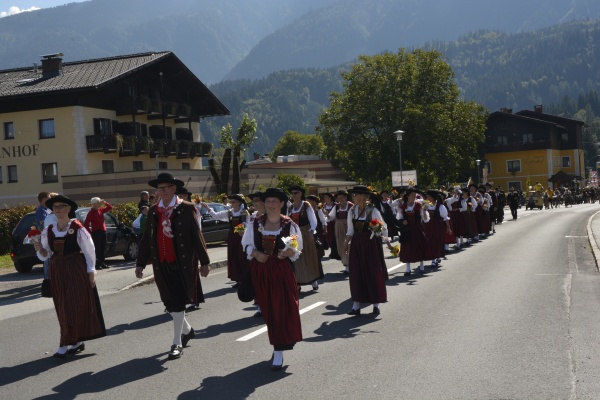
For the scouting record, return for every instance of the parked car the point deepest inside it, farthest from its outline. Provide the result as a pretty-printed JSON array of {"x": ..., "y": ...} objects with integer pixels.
[
  {"x": 120, "y": 240},
  {"x": 214, "y": 230}
]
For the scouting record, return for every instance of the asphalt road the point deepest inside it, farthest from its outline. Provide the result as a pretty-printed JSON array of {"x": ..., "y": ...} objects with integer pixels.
[{"x": 513, "y": 317}]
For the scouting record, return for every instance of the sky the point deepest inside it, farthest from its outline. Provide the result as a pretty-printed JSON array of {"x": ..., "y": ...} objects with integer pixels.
[{"x": 11, "y": 7}]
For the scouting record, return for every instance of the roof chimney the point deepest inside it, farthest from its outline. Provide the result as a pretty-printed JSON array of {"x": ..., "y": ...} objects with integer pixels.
[
  {"x": 538, "y": 109},
  {"x": 52, "y": 65}
]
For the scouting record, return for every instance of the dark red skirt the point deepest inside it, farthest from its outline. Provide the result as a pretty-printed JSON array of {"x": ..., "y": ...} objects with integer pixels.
[
  {"x": 483, "y": 220},
  {"x": 414, "y": 249},
  {"x": 459, "y": 223},
  {"x": 434, "y": 233},
  {"x": 471, "y": 223},
  {"x": 77, "y": 305},
  {"x": 330, "y": 237},
  {"x": 237, "y": 261},
  {"x": 276, "y": 292},
  {"x": 368, "y": 271}
]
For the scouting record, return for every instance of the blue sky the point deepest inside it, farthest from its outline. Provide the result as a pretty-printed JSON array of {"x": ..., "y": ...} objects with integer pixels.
[{"x": 10, "y": 7}]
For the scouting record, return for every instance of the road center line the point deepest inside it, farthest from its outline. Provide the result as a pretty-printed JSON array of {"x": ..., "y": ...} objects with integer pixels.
[
  {"x": 395, "y": 267},
  {"x": 264, "y": 328}
]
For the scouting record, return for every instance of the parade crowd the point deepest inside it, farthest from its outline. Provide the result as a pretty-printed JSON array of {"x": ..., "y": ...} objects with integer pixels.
[{"x": 276, "y": 242}]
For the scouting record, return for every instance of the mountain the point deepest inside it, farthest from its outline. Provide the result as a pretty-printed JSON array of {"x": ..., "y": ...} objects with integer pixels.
[
  {"x": 342, "y": 31},
  {"x": 209, "y": 36}
]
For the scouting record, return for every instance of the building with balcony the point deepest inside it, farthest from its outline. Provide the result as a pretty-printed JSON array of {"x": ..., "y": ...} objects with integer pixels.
[
  {"x": 531, "y": 146},
  {"x": 101, "y": 127}
]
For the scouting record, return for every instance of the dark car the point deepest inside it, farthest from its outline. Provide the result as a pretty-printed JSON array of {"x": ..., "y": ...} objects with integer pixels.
[
  {"x": 214, "y": 230},
  {"x": 120, "y": 240}
]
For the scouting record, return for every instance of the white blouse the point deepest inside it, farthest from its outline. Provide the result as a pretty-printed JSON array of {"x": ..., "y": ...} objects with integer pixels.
[
  {"x": 84, "y": 240},
  {"x": 443, "y": 211},
  {"x": 334, "y": 210},
  {"x": 424, "y": 213},
  {"x": 248, "y": 238},
  {"x": 310, "y": 213},
  {"x": 375, "y": 214}
]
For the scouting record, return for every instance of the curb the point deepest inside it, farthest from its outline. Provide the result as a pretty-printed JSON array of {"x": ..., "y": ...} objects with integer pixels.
[
  {"x": 150, "y": 279},
  {"x": 593, "y": 244}
]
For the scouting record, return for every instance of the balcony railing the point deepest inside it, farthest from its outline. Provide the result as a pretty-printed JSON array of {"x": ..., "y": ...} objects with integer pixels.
[
  {"x": 517, "y": 146},
  {"x": 101, "y": 143},
  {"x": 152, "y": 107},
  {"x": 128, "y": 146}
]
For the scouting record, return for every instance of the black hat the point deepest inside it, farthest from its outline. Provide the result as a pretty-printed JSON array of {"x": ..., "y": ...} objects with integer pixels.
[
  {"x": 360, "y": 189},
  {"x": 63, "y": 199},
  {"x": 165, "y": 177},
  {"x": 252, "y": 196},
  {"x": 239, "y": 197},
  {"x": 182, "y": 190},
  {"x": 413, "y": 190},
  {"x": 341, "y": 193},
  {"x": 274, "y": 192},
  {"x": 433, "y": 193},
  {"x": 465, "y": 190},
  {"x": 488, "y": 184},
  {"x": 331, "y": 195},
  {"x": 313, "y": 198},
  {"x": 296, "y": 187}
]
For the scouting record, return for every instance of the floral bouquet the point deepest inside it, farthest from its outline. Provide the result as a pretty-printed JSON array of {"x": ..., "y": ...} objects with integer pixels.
[
  {"x": 240, "y": 228},
  {"x": 396, "y": 250},
  {"x": 376, "y": 227},
  {"x": 428, "y": 203},
  {"x": 33, "y": 236},
  {"x": 290, "y": 242}
]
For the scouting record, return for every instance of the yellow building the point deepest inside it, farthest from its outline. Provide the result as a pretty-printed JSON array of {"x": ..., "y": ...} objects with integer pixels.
[
  {"x": 101, "y": 127},
  {"x": 530, "y": 146}
]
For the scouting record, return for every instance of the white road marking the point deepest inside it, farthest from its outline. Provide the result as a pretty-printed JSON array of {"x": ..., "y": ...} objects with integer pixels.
[
  {"x": 395, "y": 267},
  {"x": 264, "y": 328}
]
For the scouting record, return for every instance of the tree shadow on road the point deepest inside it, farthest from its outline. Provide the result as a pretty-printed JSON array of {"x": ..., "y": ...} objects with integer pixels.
[
  {"x": 237, "y": 385},
  {"x": 229, "y": 327},
  {"x": 141, "y": 324},
  {"x": 90, "y": 382}
]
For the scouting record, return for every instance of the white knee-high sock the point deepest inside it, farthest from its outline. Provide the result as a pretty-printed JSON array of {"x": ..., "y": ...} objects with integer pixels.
[
  {"x": 422, "y": 266},
  {"x": 186, "y": 326},
  {"x": 355, "y": 305},
  {"x": 178, "y": 318},
  {"x": 277, "y": 357},
  {"x": 408, "y": 267}
]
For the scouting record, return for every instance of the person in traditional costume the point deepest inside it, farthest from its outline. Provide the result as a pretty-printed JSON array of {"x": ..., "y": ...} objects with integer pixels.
[
  {"x": 328, "y": 204},
  {"x": 468, "y": 209},
  {"x": 389, "y": 217},
  {"x": 368, "y": 271},
  {"x": 70, "y": 249},
  {"x": 173, "y": 242},
  {"x": 339, "y": 214},
  {"x": 457, "y": 221},
  {"x": 483, "y": 203},
  {"x": 437, "y": 228},
  {"x": 259, "y": 210},
  {"x": 413, "y": 215},
  {"x": 237, "y": 263},
  {"x": 272, "y": 271},
  {"x": 308, "y": 266},
  {"x": 490, "y": 194},
  {"x": 315, "y": 203},
  {"x": 479, "y": 215}
]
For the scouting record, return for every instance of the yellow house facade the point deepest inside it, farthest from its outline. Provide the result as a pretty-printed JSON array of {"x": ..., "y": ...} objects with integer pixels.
[
  {"x": 100, "y": 127},
  {"x": 530, "y": 146}
]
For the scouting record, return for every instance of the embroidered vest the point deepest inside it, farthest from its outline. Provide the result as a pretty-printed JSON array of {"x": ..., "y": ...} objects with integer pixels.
[
  {"x": 68, "y": 244},
  {"x": 270, "y": 244}
]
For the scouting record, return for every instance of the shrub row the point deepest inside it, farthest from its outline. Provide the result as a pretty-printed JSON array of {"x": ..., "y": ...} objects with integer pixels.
[{"x": 8, "y": 220}]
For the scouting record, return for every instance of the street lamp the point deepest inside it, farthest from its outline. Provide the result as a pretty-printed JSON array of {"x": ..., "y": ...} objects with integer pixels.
[
  {"x": 399, "y": 139},
  {"x": 478, "y": 176}
]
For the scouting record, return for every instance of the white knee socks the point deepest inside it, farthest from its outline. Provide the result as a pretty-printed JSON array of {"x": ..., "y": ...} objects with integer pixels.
[{"x": 178, "y": 318}]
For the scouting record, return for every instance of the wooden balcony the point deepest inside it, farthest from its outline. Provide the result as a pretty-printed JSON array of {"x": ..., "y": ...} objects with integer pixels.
[
  {"x": 101, "y": 143},
  {"x": 133, "y": 146}
]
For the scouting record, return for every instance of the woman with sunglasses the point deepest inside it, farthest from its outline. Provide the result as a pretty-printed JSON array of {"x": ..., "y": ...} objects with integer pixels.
[{"x": 70, "y": 249}]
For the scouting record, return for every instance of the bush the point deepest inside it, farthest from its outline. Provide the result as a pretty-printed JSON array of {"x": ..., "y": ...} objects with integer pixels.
[{"x": 8, "y": 220}]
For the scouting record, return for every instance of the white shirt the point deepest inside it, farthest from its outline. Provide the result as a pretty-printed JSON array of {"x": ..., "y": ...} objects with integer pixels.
[
  {"x": 353, "y": 214},
  {"x": 248, "y": 238},
  {"x": 310, "y": 213},
  {"x": 84, "y": 240}
]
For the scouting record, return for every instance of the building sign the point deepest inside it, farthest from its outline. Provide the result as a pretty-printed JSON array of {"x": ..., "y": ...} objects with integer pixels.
[
  {"x": 19, "y": 151},
  {"x": 410, "y": 175}
]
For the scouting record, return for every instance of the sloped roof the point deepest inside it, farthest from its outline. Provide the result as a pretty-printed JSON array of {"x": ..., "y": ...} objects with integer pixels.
[
  {"x": 76, "y": 75},
  {"x": 562, "y": 176}
]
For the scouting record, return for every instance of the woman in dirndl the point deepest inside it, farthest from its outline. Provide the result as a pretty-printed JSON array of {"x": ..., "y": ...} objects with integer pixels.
[
  {"x": 70, "y": 249},
  {"x": 413, "y": 215},
  {"x": 437, "y": 228},
  {"x": 272, "y": 271},
  {"x": 308, "y": 266},
  {"x": 368, "y": 271},
  {"x": 339, "y": 214},
  {"x": 237, "y": 264},
  {"x": 328, "y": 204}
]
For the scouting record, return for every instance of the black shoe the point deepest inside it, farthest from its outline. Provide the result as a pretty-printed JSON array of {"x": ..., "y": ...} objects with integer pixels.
[
  {"x": 77, "y": 349},
  {"x": 376, "y": 311},
  {"x": 421, "y": 271},
  {"x": 316, "y": 287},
  {"x": 236, "y": 285},
  {"x": 186, "y": 338},
  {"x": 176, "y": 352},
  {"x": 58, "y": 355},
  {"x": 345, "y": 272},
  {"x": 407, "y": 273},
  {"x": 354, "y": 312},
  {"x": 104, "y": 266},
  {"x": 99, "y": 267},
  {"x": 257, "y": 314},
  {"x": 192, "y": 307}
]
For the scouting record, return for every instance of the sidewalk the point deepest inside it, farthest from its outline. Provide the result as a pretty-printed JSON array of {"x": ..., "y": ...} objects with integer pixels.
[{"x": 593, "y": 229}]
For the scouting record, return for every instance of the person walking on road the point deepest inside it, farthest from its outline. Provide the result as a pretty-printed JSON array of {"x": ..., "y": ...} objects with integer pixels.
[
  {"x": 172, "y": 242},
  {"x": 513, "y": 202},
  {"x": 70, "y": 249},
  {"x": 94, "y": 222}
]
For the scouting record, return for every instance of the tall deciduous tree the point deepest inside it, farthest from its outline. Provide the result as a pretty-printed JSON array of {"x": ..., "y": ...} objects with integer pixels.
[
  {"x": 293, "y": 142},
  {"x": 233, "y": 153},
  {"x": 409, "y": 91}
]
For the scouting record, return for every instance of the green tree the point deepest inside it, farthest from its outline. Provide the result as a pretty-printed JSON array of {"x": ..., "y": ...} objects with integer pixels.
[
  {"x": 413, "y": 92},
  {"x": 233, "y": 152},
  {"x": 293, "y": 142},
  {"x": 284, "y": 181}
]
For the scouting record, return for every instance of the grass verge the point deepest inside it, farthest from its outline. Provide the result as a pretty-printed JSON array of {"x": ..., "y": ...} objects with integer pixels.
[{"x": 6, "y": 262}]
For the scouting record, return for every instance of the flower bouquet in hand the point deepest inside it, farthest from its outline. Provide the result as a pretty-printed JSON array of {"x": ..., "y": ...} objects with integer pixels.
[
  {"x": 396, "y": 250},
  {"x": 33, "y": 236},
  {"x": 376, "y": 227},
  {"x": 240, "y": 229},
  {"x": 290, "y": 242}
]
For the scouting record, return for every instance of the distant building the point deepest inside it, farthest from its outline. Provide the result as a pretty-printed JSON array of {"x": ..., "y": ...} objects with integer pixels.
[
  {"x": 101, "y": 127},
  {"x": 535, "y": 147}
]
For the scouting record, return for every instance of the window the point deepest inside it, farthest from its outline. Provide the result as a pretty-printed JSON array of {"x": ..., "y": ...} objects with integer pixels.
[
  {"x": 515, "y": 185},
  {"x": 103, "y": 126},
  {"x": 12, "y": 174},
  {"x": 527, "y": 137},
  {"x": 49, "y": 173},
  {"x": 47, "y": 128},
  {"x": 566, "y": 162},
  {"x": 9, "y": 130},
  {"x": 488, "y": 164},
  {"x": 513, "y": 165},
  {"x": 185, "y": 165},
  {"x": 108, "y": 166},
  {"x": 138, "y": 165},
  {"x": 163, "y": 165},
  {"x": 565, "y": 137},
  {"x": 502, "y": 140}
]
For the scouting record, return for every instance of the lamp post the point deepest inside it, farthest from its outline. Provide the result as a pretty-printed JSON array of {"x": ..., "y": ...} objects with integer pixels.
[
  {"x": 478, "y": 176},
  {"x": 399, "y": 139}
]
